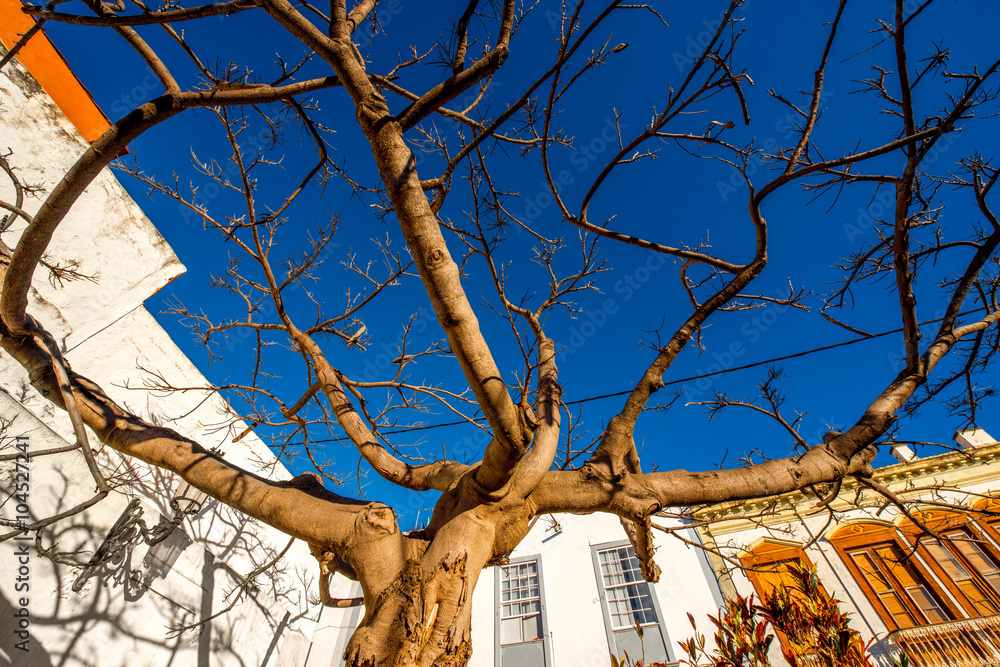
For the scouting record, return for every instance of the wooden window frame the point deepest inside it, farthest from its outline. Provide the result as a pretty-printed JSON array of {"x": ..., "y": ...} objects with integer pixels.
[
  {"x": 876, "y": 534},
  {"x": 944, "y": 521},
  {"x": 989, "y": 525}
]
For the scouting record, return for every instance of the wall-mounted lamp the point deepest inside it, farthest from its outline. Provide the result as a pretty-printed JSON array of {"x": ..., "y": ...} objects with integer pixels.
[
  {"x": 187, "y": 499},
  {"x": 130, "y": 530}
]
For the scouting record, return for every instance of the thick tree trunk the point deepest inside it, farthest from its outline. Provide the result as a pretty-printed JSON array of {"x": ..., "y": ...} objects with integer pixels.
[{"x": 424, "y": 617}]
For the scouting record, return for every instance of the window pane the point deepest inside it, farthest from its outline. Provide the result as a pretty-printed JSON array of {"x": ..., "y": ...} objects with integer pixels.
[
  {"x": 895, "y": 606},
  {"x": 977, "y": 596},
  {"x": 626, "y": 594},
  {"x": 520, "y": 611},
  {"x": 896, "y": 580},
  {"x": 981, "y": 561},
  {"x": 979, "y": 590},
  {"x": 952, "y": 566},
  {"x": 611, "y": 568},
  {"x": 870, "y": 570},
  {"x": 889, "y": 597},
  {"x": 927, "y": 604},
  {"x": 894, "y": 560},
  {"x": 510, "y": 631},
  {"x": 532, "y": 628}
]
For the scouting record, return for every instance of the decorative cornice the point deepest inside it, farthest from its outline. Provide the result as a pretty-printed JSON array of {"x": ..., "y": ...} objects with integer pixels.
[{"x": 976, "y": 463}]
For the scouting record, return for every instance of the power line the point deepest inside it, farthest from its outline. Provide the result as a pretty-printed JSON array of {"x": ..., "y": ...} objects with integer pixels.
[{"x": 692, "y": 378}]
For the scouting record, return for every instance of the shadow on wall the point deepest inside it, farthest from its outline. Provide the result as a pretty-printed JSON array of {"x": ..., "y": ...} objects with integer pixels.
[
  {"x": 126, "y": 607},
  {"x": 36, "y": 657},
  {"x": 102, "y": 595}
]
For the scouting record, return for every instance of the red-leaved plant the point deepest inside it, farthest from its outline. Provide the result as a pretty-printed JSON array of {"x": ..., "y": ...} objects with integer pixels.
[{"x": 815, "y": 632}]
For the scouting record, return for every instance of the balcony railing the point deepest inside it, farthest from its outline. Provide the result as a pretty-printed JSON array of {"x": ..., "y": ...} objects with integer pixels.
[{"x": 973, "y": 642}]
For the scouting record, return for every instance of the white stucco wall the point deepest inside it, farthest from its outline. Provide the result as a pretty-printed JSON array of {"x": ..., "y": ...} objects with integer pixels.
[
  {"x": 334, "y": 627},
  {"x": 124, "y": 609},
  {"x": 122, "y": 613},
  {"x": 572, "y": 593},
  {"x": 106, "y": 233}
]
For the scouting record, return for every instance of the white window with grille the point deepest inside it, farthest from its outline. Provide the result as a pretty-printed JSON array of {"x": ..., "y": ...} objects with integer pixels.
[
  {"x": 520, "y": 603},
  {"x": 627, "y": 594}
]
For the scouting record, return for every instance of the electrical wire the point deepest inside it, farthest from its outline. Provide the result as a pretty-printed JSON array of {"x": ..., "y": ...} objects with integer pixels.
[{"x": 625, "y": 392}]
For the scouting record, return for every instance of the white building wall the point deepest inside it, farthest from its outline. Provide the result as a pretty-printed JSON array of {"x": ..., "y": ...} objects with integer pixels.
[
  {"x": 106, "y": 232},
  {"x": 573, "y": 594},
  {"x": 122, "y": 614},
  {"x": 571, "y": 598},
  {"x": 334, "y": 627},
  {"x": 485, "y": 615}
]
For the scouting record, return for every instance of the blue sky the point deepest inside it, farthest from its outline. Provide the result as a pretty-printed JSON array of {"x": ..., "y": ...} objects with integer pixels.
[{"x": 674, "y": 199}]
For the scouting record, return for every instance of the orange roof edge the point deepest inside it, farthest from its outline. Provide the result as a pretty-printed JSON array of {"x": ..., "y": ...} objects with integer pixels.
[{"x": 40, "y": 57}]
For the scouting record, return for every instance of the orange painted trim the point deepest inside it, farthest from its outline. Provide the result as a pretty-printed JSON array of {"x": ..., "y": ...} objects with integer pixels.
[
  {"x": 43, "y": 60},
  {"x": 988, "y": 505}
]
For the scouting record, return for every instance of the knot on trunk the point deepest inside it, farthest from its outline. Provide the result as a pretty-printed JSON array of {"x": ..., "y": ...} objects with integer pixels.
[
  {"x": 860, "y": 463},
  {"x": 602, "y": 468},
  {"x": 372, "y": 112},
  {"x": 43, "y": 379},
  {"x": 588, "y": 473},
  {"x": 377, "y": 518}
]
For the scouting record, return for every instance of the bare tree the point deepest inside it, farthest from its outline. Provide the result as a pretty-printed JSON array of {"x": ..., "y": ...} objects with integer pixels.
[{"x": 447, "y": 192}]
